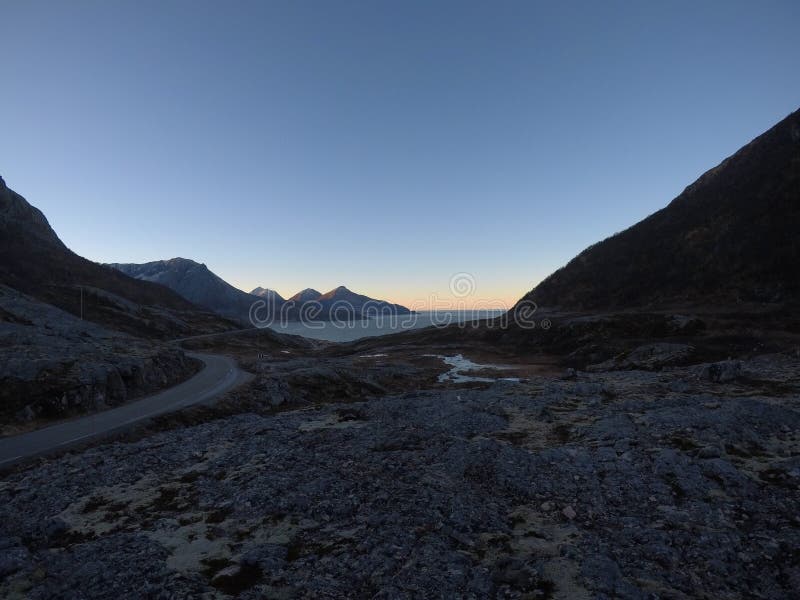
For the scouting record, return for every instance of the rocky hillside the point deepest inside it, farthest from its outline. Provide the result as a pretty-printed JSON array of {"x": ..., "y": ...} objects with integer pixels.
[
  {"x": 196, "y": 283},
  {"x": 731, "y": 236},
  {"x": 34, "y": 261},
  {"x": 53, "y": 364}
]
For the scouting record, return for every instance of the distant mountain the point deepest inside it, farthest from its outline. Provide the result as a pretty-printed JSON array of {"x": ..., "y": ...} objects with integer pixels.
[
  {"x": 306, "y": 295},
  {"x": 268, "y": 294},
  {"x": 34, "y": 261},
  {"x": 731, "y": 236},
  {"x": 361, "y": 303},
  {"x": 196, "y": 283},
  {"x": 340, "y": 304}
]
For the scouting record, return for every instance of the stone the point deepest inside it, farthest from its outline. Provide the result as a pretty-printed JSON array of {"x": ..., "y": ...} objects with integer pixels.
[
  {"x": 54, "y": 528},
  {"x": 234, "y": 579},
  {"x": 13, "y": 556},
  {"x": 679, "y": 386},
  {"x": 709, "y": 452},
  {"x": 722, "y": 372}
]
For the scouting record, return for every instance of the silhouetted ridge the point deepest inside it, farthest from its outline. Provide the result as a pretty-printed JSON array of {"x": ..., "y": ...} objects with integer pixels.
[
  {"x": 730, "y": 236},
  {"x": 17, "y": 215}
]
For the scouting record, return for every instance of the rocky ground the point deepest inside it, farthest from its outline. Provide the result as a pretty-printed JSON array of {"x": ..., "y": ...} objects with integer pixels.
[
  {"x": 54, "y": 365},
  {"x": 682, "y": 482}
]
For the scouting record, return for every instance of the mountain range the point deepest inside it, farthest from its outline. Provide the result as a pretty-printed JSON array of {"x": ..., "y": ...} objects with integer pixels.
[
  {"x": 34, "y": 261},
  {"x": 196, "y": 283},
  {"x": 730, "y": 237},
  {"x": 159, "y": 299},
  {"x": 76, "y": 336},
  {"x": 632, "y": 448},
  {"x": 344, "y": 301}
]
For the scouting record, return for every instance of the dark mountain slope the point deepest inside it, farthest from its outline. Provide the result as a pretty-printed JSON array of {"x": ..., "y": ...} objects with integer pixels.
[
  {"x": 34, "y": 261},
  {"x": 731, "y": 236}
]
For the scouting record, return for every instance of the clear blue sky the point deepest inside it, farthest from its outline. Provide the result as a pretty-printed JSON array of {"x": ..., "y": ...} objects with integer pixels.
[{"x": 380, "y": 145}]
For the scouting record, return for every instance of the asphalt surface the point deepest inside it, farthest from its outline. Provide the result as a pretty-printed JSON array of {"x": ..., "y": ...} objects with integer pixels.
[{"x": 219, "y": 375}]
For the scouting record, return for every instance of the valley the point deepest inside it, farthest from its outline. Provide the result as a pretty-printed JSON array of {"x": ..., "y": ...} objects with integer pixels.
[{"x": 638, "y": 439}]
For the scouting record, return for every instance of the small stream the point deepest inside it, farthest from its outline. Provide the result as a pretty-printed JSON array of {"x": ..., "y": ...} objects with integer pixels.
[{"x": 460, "y": 365}]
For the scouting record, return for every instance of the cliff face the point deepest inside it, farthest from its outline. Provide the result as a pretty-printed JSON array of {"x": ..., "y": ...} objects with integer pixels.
[{"x": 730, "y": 236}]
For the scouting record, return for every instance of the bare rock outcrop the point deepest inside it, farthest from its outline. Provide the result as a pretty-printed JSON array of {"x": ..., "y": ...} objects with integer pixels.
[{"x": 53, "y": 365}]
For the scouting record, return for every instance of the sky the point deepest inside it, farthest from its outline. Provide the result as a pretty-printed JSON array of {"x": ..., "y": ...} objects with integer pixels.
[{"x": 385, "y": 146}]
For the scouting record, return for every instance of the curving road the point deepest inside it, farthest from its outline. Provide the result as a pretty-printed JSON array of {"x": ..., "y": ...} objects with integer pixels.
[{"x": 219, "y": 375}]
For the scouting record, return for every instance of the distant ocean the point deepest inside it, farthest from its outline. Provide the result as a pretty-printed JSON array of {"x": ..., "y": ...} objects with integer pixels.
[{"x": 346, "y": 331}]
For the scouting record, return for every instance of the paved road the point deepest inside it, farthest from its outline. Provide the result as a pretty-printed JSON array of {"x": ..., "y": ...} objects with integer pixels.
[
  {"x": 219, "y": 375},
  {"x": 211, "y": 335}
]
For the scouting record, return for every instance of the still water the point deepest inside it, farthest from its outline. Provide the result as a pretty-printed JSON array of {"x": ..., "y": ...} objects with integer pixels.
[{"x": 345, "y": 331}]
